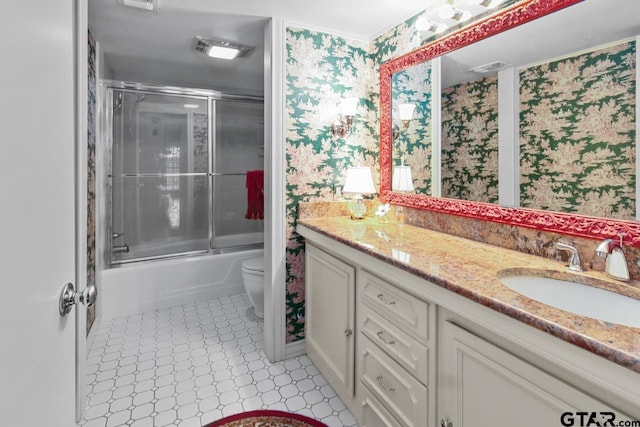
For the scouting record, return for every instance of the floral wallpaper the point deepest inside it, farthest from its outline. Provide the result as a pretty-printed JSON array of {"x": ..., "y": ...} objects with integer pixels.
[
  {"x": 577, "y": 133},
  {"x": 321, "y": 69},
  {"x": 470, "y": 141},
  {"x": 91, "y": 176}
]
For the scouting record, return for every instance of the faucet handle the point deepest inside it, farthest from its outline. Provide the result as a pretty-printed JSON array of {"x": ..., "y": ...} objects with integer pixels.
[{"x": 574, "y": 258}]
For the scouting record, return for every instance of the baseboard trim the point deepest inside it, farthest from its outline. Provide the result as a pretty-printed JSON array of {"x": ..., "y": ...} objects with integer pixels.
[{"x": 294, "y": 349}]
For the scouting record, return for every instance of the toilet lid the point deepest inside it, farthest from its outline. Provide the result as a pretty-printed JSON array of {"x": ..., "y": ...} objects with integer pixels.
[{"x": 254, "y": 264}]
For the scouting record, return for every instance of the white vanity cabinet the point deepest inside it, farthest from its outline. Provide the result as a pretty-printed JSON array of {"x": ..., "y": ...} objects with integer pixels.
[
  {"x": 330, "y": 319},
  {"x": 426, "y": 356},
  {"x": 481, "y": 384}
]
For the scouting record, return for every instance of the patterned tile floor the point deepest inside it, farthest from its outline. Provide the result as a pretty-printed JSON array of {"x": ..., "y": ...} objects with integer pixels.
[{"x": 190, "y": 365}]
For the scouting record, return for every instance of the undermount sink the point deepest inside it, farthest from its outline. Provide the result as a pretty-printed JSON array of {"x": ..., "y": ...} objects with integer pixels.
[{"x": 578, "y": 298}]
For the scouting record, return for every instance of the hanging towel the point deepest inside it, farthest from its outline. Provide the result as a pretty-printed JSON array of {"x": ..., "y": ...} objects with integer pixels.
[{"x": 255, "y": 195}]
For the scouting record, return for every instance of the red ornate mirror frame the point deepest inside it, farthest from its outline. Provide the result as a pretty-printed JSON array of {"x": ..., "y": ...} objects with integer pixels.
[{"x": 571, "y": 224}]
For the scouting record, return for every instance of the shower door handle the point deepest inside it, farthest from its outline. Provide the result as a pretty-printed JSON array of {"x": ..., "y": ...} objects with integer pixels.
[{"x": 68, "y": 297}]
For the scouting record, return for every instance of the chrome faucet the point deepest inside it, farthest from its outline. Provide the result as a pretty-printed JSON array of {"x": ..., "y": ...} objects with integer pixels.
[
  {"x": 615, "y": 262},
  {"x": 574, "y": 258}
]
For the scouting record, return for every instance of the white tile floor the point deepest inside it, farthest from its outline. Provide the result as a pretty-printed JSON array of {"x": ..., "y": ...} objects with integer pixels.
[{"x": 193, "y": 364}]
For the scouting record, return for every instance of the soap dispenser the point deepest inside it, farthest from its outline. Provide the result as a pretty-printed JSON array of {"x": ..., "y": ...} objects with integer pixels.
[{"x": 615, "y": 261}]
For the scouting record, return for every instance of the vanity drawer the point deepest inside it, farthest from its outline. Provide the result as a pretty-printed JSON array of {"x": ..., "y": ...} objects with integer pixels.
[
  {"x": 404, "y": 310},
  {"x": 408, "y": 352},
  {"x": 374, "y": 414},
  {"x": 405, "y": 396}
]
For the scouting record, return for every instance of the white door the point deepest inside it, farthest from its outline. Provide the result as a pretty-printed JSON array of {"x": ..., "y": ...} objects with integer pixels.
[{"x": 37, "y": 345}]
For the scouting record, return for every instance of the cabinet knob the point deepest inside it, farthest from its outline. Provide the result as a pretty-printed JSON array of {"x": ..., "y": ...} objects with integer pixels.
[
  {"x": 384, "y": 300},
  {"x": 348, "y": 332},
  {"x": 446, "y": 422}
]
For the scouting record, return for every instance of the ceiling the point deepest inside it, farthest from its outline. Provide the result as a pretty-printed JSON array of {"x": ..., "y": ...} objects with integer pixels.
[{"x": 155, "y": 48}]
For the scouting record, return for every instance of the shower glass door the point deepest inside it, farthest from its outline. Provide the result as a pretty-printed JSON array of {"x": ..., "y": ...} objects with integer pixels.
[
  {"x": 160, "y": 175},
  {"x": 238, "y": 146}
]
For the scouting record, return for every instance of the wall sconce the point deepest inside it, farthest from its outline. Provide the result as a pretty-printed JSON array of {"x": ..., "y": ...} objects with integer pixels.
[
  {"x": 342, "y": 125},
  {"x": 449, "y": 12},
  {"x": 358, "y": 181},
  {"x": 405, "y": 111}
]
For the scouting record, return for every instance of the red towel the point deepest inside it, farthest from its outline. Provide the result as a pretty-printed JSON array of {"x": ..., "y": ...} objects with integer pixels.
[{"x": 255, "y": 195}]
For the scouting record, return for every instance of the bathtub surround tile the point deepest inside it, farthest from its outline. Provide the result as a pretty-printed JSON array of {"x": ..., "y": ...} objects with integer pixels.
[{"x": 194, "y": 364}]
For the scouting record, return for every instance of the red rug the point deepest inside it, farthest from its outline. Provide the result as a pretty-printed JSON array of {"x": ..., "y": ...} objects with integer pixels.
[{"x": 266, "y": 418}]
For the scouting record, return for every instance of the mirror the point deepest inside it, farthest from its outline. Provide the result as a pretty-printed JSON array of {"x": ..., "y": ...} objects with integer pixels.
[{"x": 520, "y": 143}]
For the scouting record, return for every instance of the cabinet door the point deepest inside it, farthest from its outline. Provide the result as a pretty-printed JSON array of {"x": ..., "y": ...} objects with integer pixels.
[
  {"x": 482, "y": 385},
  {"x": 330, "y": 306}
]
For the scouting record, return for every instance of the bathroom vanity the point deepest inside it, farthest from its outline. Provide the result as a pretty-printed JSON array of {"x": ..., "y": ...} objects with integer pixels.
[{"x": 413, "y": 327}]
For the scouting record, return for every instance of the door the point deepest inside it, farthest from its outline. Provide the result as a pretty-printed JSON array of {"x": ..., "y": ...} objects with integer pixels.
[
  {"x": 330, "y": 320},
  {"x": 484, "y": 385},
  {"x": 37, "y": 356}
]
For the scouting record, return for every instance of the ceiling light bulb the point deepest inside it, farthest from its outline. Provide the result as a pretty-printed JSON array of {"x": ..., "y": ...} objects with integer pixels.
[
  {"x": 223, "y": 52},
  {"x": 423, "y": 24},
  {"x": 449, "y": 12}
]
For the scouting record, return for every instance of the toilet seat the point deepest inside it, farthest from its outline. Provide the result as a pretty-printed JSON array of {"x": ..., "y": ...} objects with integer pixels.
[{"x": 253, "y": 265}]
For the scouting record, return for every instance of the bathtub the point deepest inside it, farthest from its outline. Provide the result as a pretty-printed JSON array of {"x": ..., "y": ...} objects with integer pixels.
[{"x": 150, "y": 285}]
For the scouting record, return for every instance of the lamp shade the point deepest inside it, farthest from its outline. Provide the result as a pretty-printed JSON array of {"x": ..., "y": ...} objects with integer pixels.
[
  {"x": 402, "y": 179},
  {"x": 359, "y": 181},
  {"x": 406, "y": 111}
]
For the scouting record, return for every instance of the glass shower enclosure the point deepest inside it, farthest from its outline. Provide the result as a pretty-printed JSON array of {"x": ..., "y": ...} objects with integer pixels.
[{"x": 179, "y": 163}]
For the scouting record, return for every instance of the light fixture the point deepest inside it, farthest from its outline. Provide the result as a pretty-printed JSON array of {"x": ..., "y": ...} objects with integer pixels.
[
  {"x": 358, "y": 182},
  {"x": 449, "y": 12},
  {"x": 150, "y": 5},
  {"x": 192, "y": 106},
  {"x": 342, "y": 125},
  {"x": 220, "y": 49},
  {"x": 402, "y": 179},
  {"x": 405, "y": 111},
  {"x": 425, "y": 25},
  {"x": 489, "y": 68},
  {"x": 489, "y": 4}
]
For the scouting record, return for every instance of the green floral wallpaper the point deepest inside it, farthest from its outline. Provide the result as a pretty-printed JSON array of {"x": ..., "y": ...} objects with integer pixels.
[
  {"x": 321, "y": 69},
  {"x": 470, "y": 141},
  {"x": 577, "y": 133}
]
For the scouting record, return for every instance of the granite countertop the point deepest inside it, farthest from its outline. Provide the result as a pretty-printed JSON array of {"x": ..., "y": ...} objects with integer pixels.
[{"x": 473, "y": 269}]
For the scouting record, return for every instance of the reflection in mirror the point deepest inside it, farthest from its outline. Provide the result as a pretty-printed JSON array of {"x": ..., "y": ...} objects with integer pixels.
[
  {"x": 470, "y": 140},
  {"x": 577, "y": 133},
  {"x": 411, "y": 133}
]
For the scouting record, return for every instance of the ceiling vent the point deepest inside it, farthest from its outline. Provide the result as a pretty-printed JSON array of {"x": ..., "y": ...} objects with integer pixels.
[
  {"x": 150, "y": 5},
  {"x": 492, "y": 67},
  {"x": 220, "y": 48}
]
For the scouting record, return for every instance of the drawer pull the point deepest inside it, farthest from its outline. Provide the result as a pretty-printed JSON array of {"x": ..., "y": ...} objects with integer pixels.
[
  {"x": 379, "y": 334},
  {"x": 381, "y": 298},
  {"x": 383, "y": 385}
]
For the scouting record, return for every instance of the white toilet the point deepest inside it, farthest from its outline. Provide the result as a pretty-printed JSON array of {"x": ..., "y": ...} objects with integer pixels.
[{"x": 253, "y": 279}]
